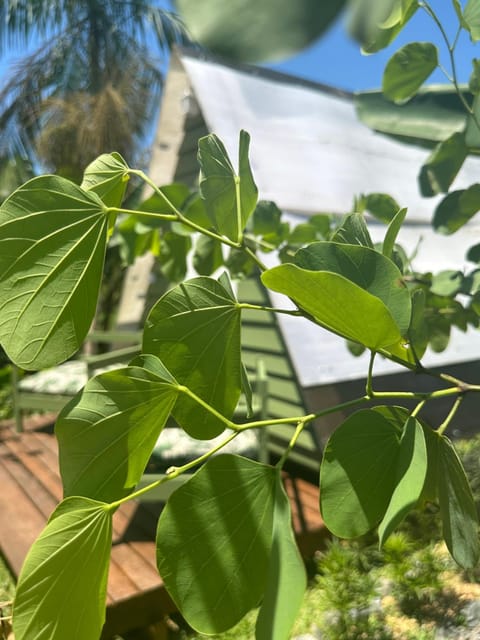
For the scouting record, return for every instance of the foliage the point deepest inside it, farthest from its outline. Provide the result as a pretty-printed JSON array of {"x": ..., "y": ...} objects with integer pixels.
[
  {"x": 224, "y": 539},
  {"x": 258, "y": 33}
]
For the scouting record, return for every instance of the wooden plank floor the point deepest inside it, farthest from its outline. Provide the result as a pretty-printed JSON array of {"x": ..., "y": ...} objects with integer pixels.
[{"x": 136, "y": 597}]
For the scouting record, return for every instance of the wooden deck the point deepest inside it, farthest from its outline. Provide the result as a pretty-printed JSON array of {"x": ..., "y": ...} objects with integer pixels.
[{"x": 136, "y": 596}]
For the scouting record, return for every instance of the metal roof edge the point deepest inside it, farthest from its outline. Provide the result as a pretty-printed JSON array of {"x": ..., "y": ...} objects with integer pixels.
[{"x": 260, "y": 72}]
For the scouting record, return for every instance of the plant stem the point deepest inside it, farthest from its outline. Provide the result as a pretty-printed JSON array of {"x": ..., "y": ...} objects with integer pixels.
[
  {"x": 291, "y": 444},
  {"x": 179, "y": 217},
  {"x": 174, "y": 472},
  {"x": 441, "y": 429},
  {"x": 368, "y": 386},
  {"x": 146, "y": 214},
  {"x": 257, "y": 307},
  {"x": 228, "y": 423},
  {"x": 451, "y": 48}
]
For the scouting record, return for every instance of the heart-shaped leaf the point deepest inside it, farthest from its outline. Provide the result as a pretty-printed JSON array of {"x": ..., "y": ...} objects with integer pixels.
[
  {"x": 324, "y": 295},
  {"x": 457, "y": 507},
  {"x": 230, "y": 198},
  {"x": 471, "y": 18},
  {"x": 408, "y": 69},
  {"x": 107, "y": 176},
  {"x": 52, "y": 246},
  {"x": 358, "y": 473},
  {"x": 216, "y": 533},
  {"x": 411, "y": 471},
  {"x": 107, "y": 432},
  {"x": 364, "y": 267},
  {"x": 61, "y": 590},
  {"x": 195, "y": 331},
  {"x": 286, "y": 579}
]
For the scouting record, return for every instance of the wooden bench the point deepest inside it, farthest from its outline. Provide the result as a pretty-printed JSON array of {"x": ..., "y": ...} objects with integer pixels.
[{"x": 136, "y": 596}]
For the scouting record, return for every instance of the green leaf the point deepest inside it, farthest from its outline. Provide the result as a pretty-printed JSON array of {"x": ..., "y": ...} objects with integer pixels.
[
  {"x": 474, "y": 80},
  {"x": 174, "y": 249},
  {"x": 358, "y": 473},
  {"x": 411, "y": 471},
  {"x": 195, "y": 331},
  {"x": 248, "y": 31},
  {"x": 456, "y": 209},
  {"x": 52, "y": 246},
  {"x": 61, "y": 590},
  {"x": 408, "y": 69},
  {"x": 208, "y": 256},
  {"x": 457, "y": 508},
  {"x": 442, "y": 166},
  {"x": 216, "y": 533},
  {"x": 325, "y": 295},
  {"x": 381, "y": 206},
  {"x": 447, "y": 283},
  {"x": 364, "y": 267},
  {"x": 471, "y": 17},
  {"x": 107, "y": 432},
  {"x": 353, "y": 230},
  {"x": 107, "y": 176},
  {"x": 375, "y": 23},
  {"x": 418, "y": 332},
  {"x": 434, "y": 114},
  {"x": 286, "y": 579},
  {"x": 392, "y": 233},
  {"x": 230, "y": 199},
  {"x": 472, "y": 133},
  {"x": 302, "y": 234},
  {"x": 266, "y": 218}
]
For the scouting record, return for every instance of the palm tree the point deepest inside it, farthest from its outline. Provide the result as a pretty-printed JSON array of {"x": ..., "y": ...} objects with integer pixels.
[{"x": 90, "y": 86}]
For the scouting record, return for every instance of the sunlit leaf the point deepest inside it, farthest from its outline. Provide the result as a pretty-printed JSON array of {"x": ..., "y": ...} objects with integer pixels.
[
  {"x": 447, "y": 283},
  {"x": 230, "y": 198},
  {"x": 216, "y": 533},
  {"x": 410, "y": 472},
  {"x": 325, "y": 295},
  {"x": 61, "y": 590},
  {"x": 471, "y": 18},
  {"x": 107, "y": 176},
  {"x": 248, "y": 31},
  {"x": 457, "y": 508},
  {"x": 364, "y": 267},
  {"x": 52, "y": 246},
  {"x": 358, "y": 473},
  {"x": 286, "y": 579},
  {"x": 434, "y": 114},
  {"x": 408, "y": 69},
  {"x": 392, "y": 232},
  {"x": 107, "y": 432},
  {"x": 195, "y": 331},
  {"x": 442, "y": 166},
  {"x": 456, "y": 209}
]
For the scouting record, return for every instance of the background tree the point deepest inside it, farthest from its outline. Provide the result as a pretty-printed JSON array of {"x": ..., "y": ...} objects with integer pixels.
[{"x": 91, "y": 84}]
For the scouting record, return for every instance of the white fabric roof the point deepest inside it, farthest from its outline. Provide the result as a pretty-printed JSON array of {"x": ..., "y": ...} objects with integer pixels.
[{"x": 309, "y": 153}]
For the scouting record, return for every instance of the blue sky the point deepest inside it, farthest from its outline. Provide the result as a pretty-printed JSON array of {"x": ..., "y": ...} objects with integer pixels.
[{"x": 336, "y": 60}]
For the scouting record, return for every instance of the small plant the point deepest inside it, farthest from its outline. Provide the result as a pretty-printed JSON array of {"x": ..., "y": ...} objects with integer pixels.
[
  {"x": 417, "y": 581},
  {"x": 348, "y": 591}
]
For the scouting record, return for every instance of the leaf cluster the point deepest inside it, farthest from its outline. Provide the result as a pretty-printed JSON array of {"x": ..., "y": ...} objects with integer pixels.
[{"x": 224, "y": 541}]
